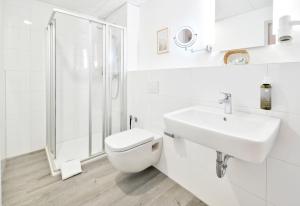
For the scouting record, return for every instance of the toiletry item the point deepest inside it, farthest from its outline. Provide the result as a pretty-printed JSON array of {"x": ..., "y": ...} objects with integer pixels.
[
  {"x": 266, "y": 94},
  {"x": 237, "y": 57}
]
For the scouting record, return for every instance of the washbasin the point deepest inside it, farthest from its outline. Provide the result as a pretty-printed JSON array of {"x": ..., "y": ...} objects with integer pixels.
[{"x": 244, "y": 136}]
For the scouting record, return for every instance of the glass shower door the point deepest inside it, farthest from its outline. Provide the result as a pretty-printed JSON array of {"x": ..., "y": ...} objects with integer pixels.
[
  {"x": 86, "y": 86},
  {"x": 79, "y": 88},
  {"x": 97, "y": 95},
  {"x": 116, "y": 78},
  {"x": 72, "y": 88}
]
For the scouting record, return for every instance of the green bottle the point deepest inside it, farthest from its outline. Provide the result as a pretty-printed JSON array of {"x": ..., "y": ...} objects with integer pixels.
[{"x": 266, "y": 94}]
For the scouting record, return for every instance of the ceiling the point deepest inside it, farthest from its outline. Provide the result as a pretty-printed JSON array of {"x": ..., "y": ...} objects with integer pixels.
[
  {"x": 102, "y": 8},
  {"x": 99, "y": 8},
  {"x": 228, "y": 8}
]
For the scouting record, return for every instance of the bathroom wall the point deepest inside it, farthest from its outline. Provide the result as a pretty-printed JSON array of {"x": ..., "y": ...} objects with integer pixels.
[
  {"x": 156, "y": 14},
  {"x": 287, "y": 7},
  {"x": 282, "y": 52},
  {"x": 275, "y": 182},
  {"x": 128, "y": 16},
  {"x": 119, "y": 16},
  {"x": 2, "y": 105},
  {"x": 24, "y": 64}
]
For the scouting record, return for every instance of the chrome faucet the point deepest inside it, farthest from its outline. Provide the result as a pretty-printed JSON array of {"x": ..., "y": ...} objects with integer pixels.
[{"x": 227, "y": 103}]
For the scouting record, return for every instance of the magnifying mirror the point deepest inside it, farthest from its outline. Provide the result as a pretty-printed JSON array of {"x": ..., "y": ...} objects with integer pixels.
[{"x": 185, "y": 37}]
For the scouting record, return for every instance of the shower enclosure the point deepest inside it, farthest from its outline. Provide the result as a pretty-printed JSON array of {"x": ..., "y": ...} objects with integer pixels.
[{"x": 86, "y": 94}]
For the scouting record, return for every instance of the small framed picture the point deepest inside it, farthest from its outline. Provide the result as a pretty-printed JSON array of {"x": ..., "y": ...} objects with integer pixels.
[
  {"x": 270, "y": 38},
  {"x": 163, "y": 41}
]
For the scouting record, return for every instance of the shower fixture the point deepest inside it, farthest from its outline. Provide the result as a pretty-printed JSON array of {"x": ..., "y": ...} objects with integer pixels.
[{"x": 82, "y": 103}]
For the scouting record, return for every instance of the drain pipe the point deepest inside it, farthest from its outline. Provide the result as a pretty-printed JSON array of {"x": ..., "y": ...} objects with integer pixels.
[{"x": 221, "y": 164}]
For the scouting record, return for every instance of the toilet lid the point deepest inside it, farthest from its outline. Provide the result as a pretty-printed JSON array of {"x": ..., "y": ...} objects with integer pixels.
[{"x": 128, "y": 139}]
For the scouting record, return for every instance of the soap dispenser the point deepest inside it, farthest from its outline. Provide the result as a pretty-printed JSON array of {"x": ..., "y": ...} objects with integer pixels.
[{"x": 266, "y": 94}]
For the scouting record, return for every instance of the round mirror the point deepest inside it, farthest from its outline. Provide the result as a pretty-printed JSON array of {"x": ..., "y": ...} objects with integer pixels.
[{"x": 185, "y": 37}]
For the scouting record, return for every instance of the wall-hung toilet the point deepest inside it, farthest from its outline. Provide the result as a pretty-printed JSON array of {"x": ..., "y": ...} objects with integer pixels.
[{"x": 133, "y": 150}]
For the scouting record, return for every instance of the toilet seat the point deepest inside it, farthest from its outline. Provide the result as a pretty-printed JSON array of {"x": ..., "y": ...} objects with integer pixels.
[{"x": 127, "y": 140}]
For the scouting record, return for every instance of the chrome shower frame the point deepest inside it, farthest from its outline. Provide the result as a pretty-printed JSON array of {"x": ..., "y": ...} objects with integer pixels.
[{"x": 107, "y": 96}]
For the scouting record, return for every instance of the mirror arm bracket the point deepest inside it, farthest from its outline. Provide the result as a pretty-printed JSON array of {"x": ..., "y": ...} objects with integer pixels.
[{"x": 207, "y": 48}]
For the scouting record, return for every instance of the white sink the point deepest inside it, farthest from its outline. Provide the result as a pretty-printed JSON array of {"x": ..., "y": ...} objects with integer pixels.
[{"x": 245, "y": 136}]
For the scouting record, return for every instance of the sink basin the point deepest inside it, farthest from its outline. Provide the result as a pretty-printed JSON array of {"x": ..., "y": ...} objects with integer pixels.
[{"x": 244, "y": 136}]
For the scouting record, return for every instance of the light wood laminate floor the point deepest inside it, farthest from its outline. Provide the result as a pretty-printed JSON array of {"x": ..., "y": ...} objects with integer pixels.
[{"x": 28, "y": 181}]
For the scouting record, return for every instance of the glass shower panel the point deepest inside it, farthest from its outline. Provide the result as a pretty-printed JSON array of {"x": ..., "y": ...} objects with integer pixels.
[
  {"x": 85, "y": 86},
  {"x": 116, "y": 66},
  {"x": 72, "y": 88},
  {"x": 97, "y": 88}
]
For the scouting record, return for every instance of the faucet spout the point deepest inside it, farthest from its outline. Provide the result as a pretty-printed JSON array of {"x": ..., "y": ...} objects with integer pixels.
[{"x": 227, "y": 101}]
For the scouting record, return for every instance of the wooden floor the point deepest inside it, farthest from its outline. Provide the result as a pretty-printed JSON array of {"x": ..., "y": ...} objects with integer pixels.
[{"x": 28, "y": 182}]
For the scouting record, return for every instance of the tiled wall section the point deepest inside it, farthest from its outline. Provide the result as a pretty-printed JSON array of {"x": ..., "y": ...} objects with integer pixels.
[
  {"x": 25, "y": 67},
  {"x": 276, "y": 182},
  {"x": 2, "y": 105},
  {"x": 24, "y": 64}
]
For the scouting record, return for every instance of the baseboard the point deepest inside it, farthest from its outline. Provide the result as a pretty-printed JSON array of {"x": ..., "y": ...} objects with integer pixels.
[
  {"x": 20, "y": 155},
  {"x": 3, "y": 165}
]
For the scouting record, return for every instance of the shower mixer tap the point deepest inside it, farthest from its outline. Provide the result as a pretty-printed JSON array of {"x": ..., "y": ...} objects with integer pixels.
[{"x": 135, "y": 119}]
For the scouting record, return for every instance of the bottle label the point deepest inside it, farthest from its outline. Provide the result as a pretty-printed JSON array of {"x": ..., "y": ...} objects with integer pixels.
[{"x": 266, "y": 98}]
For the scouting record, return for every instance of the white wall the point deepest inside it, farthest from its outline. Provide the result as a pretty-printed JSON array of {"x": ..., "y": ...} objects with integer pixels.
[
  {"x": 183, "y": 82},
  {"x": 275, "y": 182},
  {"x": 119, "y": 16},
  {"x": 133, "y": 22},
  {"x": 24, "y": 64},
  {"x": 128, "y": 16},
  {"x": 2, "y": 105},
  {"x": 242, "y": 31},
  {"x": 157, "y": 14},
  {"x": 281, "y": 52},
  {"x": 287, "y": 7}
]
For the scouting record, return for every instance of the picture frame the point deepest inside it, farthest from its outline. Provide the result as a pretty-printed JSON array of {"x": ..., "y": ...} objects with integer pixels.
[{"x": 163, "y": 41}]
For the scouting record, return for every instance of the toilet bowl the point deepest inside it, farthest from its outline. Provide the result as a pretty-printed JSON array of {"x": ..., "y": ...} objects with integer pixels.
[{"x": 133, "y": 150}]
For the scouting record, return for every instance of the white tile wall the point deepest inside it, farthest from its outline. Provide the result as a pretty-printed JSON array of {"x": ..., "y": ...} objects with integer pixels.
[
  {"x": 2, "y": 104},
  {"x": 246, "y": 199},
  {"x": 25, "y": 67},
  {"x": 275, "y": 182},
  {"x": 283, "y": 183},
  {"x": 24, "y": 64}
]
